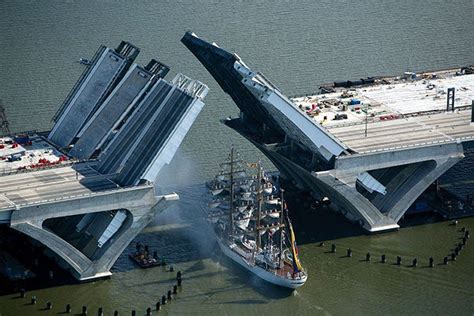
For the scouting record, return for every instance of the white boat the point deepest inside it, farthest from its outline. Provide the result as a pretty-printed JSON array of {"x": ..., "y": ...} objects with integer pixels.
[
  {"x": 243, "y": 219},
  {"x": 282, "y": 278},
  {"x": 263, "y": 245}
]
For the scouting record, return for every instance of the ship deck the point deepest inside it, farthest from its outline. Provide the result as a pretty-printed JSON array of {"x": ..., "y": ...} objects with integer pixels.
[{"x": 285, "y": 271}]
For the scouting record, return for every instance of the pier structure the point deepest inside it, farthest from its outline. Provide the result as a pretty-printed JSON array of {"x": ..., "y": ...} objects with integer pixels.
[
  {"x": 88, "y": 187},
  {"x": 373, "y": 161}
]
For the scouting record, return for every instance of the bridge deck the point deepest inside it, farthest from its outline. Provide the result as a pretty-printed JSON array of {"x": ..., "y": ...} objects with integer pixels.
[
  {"x": 403, "y": 132},
  {"x": 50, "y": 184},
  {"x": 387, "y": 97}
]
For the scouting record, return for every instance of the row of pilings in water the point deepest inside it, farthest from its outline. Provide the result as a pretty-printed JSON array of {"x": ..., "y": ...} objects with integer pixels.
[
  {"x": 172, "y": 293},
  {"x": 459, "y": 247},
  {"x": 165, "y": 299}
]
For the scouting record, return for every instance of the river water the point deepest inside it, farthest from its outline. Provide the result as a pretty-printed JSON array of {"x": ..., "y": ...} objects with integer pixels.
[{"x": 298, "y": 45}]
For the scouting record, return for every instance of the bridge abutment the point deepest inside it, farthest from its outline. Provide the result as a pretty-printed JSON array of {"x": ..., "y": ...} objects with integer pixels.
[
  {"x": 87, "y": 240},
  {"x": 405, "y": 174}
]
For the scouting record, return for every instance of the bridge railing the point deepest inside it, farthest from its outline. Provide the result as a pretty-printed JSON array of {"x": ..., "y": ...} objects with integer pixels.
[
  {"x": 82, "y": 195},
  {"x": 435, "y": 142}
]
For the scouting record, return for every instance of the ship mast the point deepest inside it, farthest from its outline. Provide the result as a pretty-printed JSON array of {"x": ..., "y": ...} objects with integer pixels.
[
  {"x": 231, "y": 208},
  {"x": 259, "y": 208},
  {"x": 281, "y": 225}
]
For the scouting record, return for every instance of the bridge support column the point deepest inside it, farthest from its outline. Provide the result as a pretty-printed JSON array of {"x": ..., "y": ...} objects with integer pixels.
[
  {"x": 406, "y": 174},
  {"x": 141, "y": 210}
]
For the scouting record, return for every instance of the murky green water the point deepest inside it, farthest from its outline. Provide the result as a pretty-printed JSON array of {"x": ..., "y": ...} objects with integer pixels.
[
  {"x": 212, "y": 285},
  {"x": 298, "y": 45}
]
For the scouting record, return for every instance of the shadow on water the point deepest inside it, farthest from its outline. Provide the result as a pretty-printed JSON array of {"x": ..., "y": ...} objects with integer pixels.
[
  {"x": 268, "y": 291},
  {"x": 31, "y": 257},
  {"x": 205, "y": 276},
  {"x": 235, "y": 275},
  {"x": 412, "y": 220},
  {"x": 318, "y": 224},
  {"x": 178, "y": 234},
  {"x": 198, "y": 266},
  {"x": 323, "y": 223},
  {"x": 174, "y": 245}
]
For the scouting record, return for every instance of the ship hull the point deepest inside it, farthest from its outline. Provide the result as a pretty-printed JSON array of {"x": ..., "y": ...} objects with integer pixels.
[{"x": 260, "y": 272}]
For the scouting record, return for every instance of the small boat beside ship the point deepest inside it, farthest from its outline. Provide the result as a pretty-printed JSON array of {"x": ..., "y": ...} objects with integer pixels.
[
  {"x": 250, "y": 220},
  {"x": 144, "y": 258}
]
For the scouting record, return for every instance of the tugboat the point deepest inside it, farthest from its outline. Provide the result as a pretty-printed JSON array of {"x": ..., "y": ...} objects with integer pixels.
[
  {"x": 251, "y": 223},
  {"x": 143, "y": 258}
]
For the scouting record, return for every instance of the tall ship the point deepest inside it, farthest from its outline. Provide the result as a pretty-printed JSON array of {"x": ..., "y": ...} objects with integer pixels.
[{"x": 250, "y": 220}]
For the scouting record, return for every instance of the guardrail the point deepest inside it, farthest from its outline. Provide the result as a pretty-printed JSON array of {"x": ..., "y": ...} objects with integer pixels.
[
  {"x": 424, "y": 144},
  {"x": 11, "y": 171},
  {"x": 71, "y": 197},
  {"x": 400, "y": 116}
]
